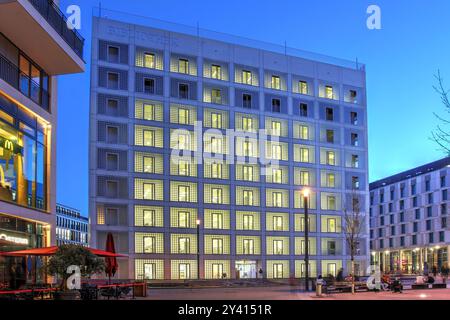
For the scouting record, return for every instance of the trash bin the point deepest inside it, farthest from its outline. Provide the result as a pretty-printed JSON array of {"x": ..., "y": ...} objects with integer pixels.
[
  {"x": 140, "y": 289},
  {"x": 318, "y": 289}
]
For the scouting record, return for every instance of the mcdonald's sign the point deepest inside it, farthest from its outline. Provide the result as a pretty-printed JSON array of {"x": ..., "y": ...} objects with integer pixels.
[{"x": 9, "y": 145}]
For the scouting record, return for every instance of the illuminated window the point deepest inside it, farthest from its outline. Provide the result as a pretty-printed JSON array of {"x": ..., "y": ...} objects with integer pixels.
[
  {"x": 216, "y": 195},
  {"x": 248, "y": 173},
  {"x": 277, "y": 246},
  {"x": 183, "y": 116},
  {"x": 248, "y": 148},
  {"x": 304, "y": 178},
  {"x": 330, "y": 136},
  {"x": 149, "y": 244},
  {"x": 331, "y": 225},
  {"x": 331, "y": 202},
  {"x": 248, "y": 222},
  {"x": 183, "y": 167},
  {"x": 149, "y": 191},
  {"x": 184, "y": 245},
  {"x": 304, "y": 154},
  {"x": 183, "y": 219},
  {"x": 216, "y": 96},
  {"x": 276, "y": 152},
  {"x": 276, "y": 128},
  {"x": 183, "y": 193},
  {"x": 149, "y": 217},
  {"x": 277, "y": 199},
  {"x": 183, "y": 66},
  {"x": 303, "y": 246},
  {"x": 149, "y": 60},
  {"x": 248, "y": 246},
  {"x": 183, "y": 141},
  {"x": 329, "y": 92},
  {"x": 303, "y": 87},
  {"x": 246, "y": 77},
  {"x": 355, "y": 161},
  {"x": 216, "y": 170},
  {"x": 247, "y": 124},
  {"x": 248, "y": 197},
  {"x": 149, "y": 164},
  {"x": 278, "y": 223},
  {"x": 275, "y": 82},
  {"x": 217, "y": 270},
  {"x": 277, "y": 270},
  {"x": 331, "y": 160},
  {"x": 216, "y": 72},
  {"x": 304, "y": 132},
  {"x": 217, "y": 246},
  {"x": 149, "y": 138},
  {"x": 216, "y": 120},
  {"x": 149, "y": 111},
  {"x": 216, "y": 145},
  {"x": 277, "y": 175},
  {"x": 184, "y": 271},
  {"x": 331, "y": 178},
  {"x": 217, "y": 220}
]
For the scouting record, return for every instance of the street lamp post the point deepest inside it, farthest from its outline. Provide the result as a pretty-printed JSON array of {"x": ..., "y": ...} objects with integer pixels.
[
  {"x": 305, "y": 194},
  {"x": 198, "y": 248}
]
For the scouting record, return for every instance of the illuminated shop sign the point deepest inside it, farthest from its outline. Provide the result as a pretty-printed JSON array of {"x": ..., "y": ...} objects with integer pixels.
[
  {"x": 10, "y": 146},
  {"x": 13, "y": 239}
]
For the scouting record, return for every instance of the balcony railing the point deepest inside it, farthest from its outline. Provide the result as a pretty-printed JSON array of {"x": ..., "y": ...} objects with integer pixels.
[
  {"x": 11, "y": 74},
  {"x": 50, "y": 11}
]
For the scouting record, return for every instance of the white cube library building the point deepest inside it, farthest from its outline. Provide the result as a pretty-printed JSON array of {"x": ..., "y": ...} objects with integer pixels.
[{"x": 253, "y": 125}]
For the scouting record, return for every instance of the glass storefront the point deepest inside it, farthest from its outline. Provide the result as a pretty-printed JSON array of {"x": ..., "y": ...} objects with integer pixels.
[
  {"x": 22, "y": 157},
  {"x": 18, "y": 234}
]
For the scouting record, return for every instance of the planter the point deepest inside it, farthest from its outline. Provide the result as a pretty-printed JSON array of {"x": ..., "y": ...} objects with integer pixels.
[{"x": 67, "y": 295}]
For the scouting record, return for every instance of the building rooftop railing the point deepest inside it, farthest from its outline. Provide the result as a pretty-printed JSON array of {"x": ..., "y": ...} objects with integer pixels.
[
  {"x": 53, "y": 15},
  {"x": 223, "y": 37}
]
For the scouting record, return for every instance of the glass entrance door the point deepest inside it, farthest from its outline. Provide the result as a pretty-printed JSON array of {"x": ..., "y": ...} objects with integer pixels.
[{"x": 246, "y": 269}]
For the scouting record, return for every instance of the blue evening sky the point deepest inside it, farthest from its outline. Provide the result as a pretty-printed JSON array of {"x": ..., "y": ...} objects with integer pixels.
[{"x": 400, "y": 59}]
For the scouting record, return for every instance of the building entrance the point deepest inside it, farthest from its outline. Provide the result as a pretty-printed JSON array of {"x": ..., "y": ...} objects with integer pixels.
[{"x": 246, "y": 269}]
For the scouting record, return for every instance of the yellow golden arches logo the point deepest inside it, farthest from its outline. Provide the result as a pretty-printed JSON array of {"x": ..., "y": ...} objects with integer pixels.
[{"x": 8, "y": 145}]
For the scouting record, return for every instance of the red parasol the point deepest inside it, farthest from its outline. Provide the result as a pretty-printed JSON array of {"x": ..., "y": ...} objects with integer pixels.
[
  {"x": 50, "y": 251},
  {"x": 111, "y": 262}
]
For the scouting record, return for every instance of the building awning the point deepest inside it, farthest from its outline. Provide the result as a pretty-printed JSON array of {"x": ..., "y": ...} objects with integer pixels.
[{"x": 50, "y": 251}]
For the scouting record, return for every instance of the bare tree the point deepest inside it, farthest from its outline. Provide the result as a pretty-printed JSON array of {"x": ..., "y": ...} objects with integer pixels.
[
  {"x": 354, "y": 228},
  {"x": 441, "y": 134}
]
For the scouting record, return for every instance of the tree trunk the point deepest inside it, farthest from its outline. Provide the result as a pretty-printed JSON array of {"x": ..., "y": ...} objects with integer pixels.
[{"x": 353, "y": 274}]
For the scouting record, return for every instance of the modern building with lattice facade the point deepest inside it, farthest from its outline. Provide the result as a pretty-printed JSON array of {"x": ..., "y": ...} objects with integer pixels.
[{"x": 273, "y": 122}]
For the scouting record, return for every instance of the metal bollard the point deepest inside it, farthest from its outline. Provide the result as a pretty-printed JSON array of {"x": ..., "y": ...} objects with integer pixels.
[{"x": 318, "y": 290}]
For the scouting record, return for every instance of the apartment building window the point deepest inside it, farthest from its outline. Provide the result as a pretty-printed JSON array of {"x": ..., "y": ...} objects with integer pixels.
[
  {"x": 248, "y": 246},
  {"x": 112, "y": 161},
  {"x": 33, "y": 82},
  {"x": 277, "y": 199},
  {"x": 183, "y": 219},
  {"x": 414, "y": 239},
  {"x": 427, "y": 185},
  {"x": 149, "y": 191},
  {"x": 217, "y": 270},
  {"x": 149, "y": 60},
  {"x": 247, "y": 124},
  {"x": 184, "y": 271},
  {"x": 331, "y": 202},
  {"x": 149, "y": 111},
  {"x": 183, "y": 116},
  {"x": 442, "y": 181},
  {"x": 402, "y": 241},
  {"x": 149, "y": 86},
  {"x": 441, "y": 236},
  {"x": 217, "y": 220},
  {"x": 247, "y": 101},
  {"x": 354, "y": 139},
  {"x": 381, "y": 243},
  {"x": 331, "y": 158},
  {"x": 443, "y": 209},
  {"x": 413, "y": 189},
  {"x": 277, "y": 270},
  {"x": 113, "y": 54},
  {"x": 216, "y": 96},
  {"x": 216, "y": 145},
  {"x": 393, "y": 231},
  {"x": 275, "y": 82},
  {"x": 431, "y": 238},
  {"x": 429, "y": 212},
  {"x": 391, "y": 219},
  {"x": 277, "y": 223},
  {"x": 216, "y": 170},
  {"x": 329, "y": 92},
  {"x": 184, "y": 141},
  {"x": 355, "y": 161},
  {"x": 248, "y": 173},
  {"x": 417, "y": 213},
  {"x": 428, "y": 225},
  {"x": 403, "y": 228},
  {"x": 380, "y": 233},
  {"x": 183, "y": 167},
  {"x": 330, "y": 136},
  {"x": 380, "y": 208},
  {"x": 354, "y": 118},
  {"x": 331, "y": 247},
  {"x": 303, "y": 87},
  {"x": 113, "y": 80},
  {"x": 149, "y": 218},
  {"x": 402, "y": 216},
  {"x": 303, "y": 109},
  {"x": 248, "y": 222},
  {"x": 415, "y": 227},
  {"x": 248, "y": 197},
  {"x": 248, "y": 149},
  {"x": 381, "y": 221},
  {"x": 184, "y": 245},
  {"x": 183, "y": 66},
  {"x": 277, "y": 175},
  {"x": 149, "y": 137},
  {"x": 149, "y": 244},
  {"x": 329, "y": 114},
  {"x": 304, "y": 132},
  {"x": 355, "y": 183},
  {"x": 246, "y": 77},
  {"x": 183, "y": 91},
  {"x": 216, "y": 195},
  {"x": 216, "y": 71},
  {"x": 277, "y": 246},
  {"x": 112, "y": 106},
  {"x": 444, "y": 195},
  {"x": 304, "y": 155},
  {"x": 216, "y": 120},
  {"x": 331, "y": 225},
  {"x": 276, "y": 128},
  {"x": 331, "y": 180},
  {"x": 183, "y": 193},
  {"x": 276, "y": 152},
  {"x": 276, "y": 105}
]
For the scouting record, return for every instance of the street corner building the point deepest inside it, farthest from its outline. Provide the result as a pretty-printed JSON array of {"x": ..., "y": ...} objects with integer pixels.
[
  {"x": 228, "y": 213},
  {"x": 35, "y": 46},
  {"x": 408, "y": 220}
]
